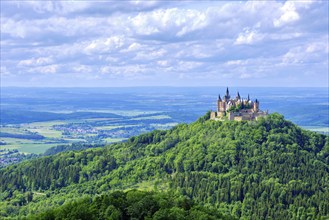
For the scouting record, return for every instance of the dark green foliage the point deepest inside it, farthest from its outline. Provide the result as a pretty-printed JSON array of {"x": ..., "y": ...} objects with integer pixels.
[
  {"x": 268, "y": 169},
  {"x": 131, "y": 205}
]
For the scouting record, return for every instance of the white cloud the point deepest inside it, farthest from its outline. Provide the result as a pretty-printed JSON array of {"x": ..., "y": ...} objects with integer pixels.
[
  {"x": 48, "y": 69},
  {"x": 248, "y": 37},
  {"x": 163, "y": 62},
  {"x": 150, "y": 54},
  {"x": 104, "y": 45},
  {"x": 18, "y": 29},
  {"x": 128, "y": 72},
  {"x": 134, "y": 46},
  {"x": 173, "y": 21},
  {"x": 289, "y": 12},
  {"x": 144, "y": 40},
  {"x": 60, "y": 7},
  {"x": 36, "y": 61},
  {"x": 78, "y": 68},
  {"x": 315, "y": 52},
  {"x": 235, "y": 62}
]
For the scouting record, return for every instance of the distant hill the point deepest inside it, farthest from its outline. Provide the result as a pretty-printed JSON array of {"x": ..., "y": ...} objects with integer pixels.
[{"x": 267, "y": 169}]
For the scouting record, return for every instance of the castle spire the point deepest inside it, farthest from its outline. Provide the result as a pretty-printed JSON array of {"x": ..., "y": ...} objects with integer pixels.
[
  {"x": 219, "y": 98},
  {"x": 248, "y": 98},
  {"x": 227, "y": 96},
  {"x": 238, "y": 96}
]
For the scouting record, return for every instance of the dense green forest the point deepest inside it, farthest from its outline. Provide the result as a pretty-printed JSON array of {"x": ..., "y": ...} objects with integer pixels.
[
  {"x": 132, "y": 205},
  {"x": 268, "y": 169}
]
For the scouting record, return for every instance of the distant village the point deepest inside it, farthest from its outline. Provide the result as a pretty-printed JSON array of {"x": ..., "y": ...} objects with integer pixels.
[
  {"x": 237, "y": 108},
  {"x": 11, "y": 156}
]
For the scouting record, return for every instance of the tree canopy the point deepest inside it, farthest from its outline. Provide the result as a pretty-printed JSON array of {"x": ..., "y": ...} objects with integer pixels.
[{"x": 267, "y": 169}]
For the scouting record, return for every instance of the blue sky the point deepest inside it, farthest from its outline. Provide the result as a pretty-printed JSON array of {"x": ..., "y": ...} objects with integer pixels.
[{"x": 164, "y": 43}]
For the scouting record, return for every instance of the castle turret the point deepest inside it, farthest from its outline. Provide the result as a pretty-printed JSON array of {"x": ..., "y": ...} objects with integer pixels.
[
  {"x": 238, "y": 96},
  {"x": 227, "y": 96},
  {"x": 256, "y": 106},
  {"x": 219, "y": 104}
]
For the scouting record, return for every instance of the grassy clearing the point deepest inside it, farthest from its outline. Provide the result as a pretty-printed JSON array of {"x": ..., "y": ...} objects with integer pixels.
[
  {"x": 36, "y": 148},
  {"x": 150, "y": 186},
  {"x": 47, "y": 132},
  {"x": 45, "y": 128},
  {"x": 113, "y": 140},
  {"x": 12, "y": 130},
  {"x": 26, "y": 145}
]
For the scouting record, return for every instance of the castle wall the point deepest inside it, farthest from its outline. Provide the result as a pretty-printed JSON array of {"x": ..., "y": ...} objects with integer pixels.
[
  {"x": 220, "y": 114},
  {"x": 230, "y": 116},
  {"x": 238, "y": 118},
  {"x": 221, "y": 106},
  {"x": 212, "y": 115}
]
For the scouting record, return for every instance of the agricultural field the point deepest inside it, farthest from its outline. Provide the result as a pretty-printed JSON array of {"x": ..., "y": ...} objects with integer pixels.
[{"x": 37, "y": 137}]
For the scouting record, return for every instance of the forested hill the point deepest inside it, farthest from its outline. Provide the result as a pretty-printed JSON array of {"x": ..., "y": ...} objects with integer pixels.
[
  {"x": 268, "y": 169},
  {"x": 133, "y": 204}
]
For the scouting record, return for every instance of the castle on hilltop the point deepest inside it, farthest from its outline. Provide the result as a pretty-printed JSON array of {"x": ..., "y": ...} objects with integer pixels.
[{"x": 237, "y": 109}]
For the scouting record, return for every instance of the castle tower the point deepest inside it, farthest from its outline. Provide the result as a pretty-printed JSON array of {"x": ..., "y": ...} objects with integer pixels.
[
  {"x": 227, "y": 96},
  {"x": 219, "y": 103},
  {"x": 256, "y": 106}
]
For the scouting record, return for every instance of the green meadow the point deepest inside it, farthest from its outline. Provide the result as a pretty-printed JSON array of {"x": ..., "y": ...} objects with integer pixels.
[{"x": 99, "y": 130}]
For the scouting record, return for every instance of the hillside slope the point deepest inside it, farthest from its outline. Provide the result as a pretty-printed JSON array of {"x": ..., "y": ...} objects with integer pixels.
[
  {"x": 269, "y": 169},
  {"x": 133, "y": 204}
]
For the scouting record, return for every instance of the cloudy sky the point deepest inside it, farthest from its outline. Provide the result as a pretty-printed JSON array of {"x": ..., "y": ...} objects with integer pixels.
[{"x": 164, "y": 43}]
